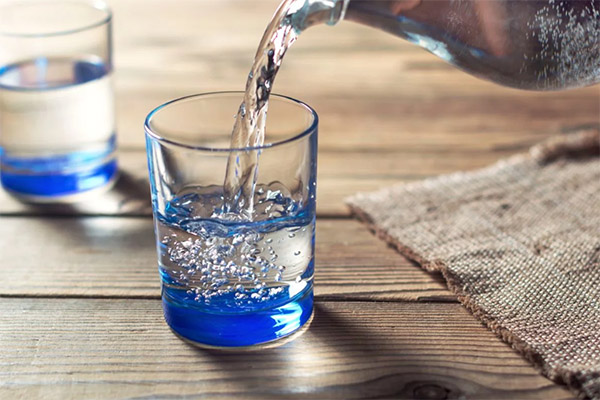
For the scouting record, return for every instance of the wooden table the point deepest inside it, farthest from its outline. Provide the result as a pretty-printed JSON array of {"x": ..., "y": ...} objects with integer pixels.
[{"x": 79, "y": 302}]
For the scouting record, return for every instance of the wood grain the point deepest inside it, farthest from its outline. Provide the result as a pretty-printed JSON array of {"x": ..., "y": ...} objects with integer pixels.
[
  {"x": 117, "y": 257},
  {"x": 389, "y": 113},
  {"x": 90, "y": 348},
  {"x": 371, "y": 89},
  {"x": 341, "y": 173}
]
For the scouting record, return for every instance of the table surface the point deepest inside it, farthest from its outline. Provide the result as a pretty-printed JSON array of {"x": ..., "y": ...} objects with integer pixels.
[{"x": 80, "y": 313}]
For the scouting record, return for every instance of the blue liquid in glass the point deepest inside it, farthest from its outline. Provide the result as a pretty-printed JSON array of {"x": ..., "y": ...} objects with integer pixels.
[
  {"x": 232, "y": 283},
  {"x": 57, "y": 127}
]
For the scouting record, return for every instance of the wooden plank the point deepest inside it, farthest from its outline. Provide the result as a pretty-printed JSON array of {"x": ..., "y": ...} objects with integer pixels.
[
  {"x": 117, "y": 257},
  {"x": 407, "y": 95},
  {"x": 407, "y": 116},
  {"x": 402, "y": 123},
  {"x": 340, "y": 174},
  {"x": 191, "y": 46},
  {"x": 90, "y": 348}
]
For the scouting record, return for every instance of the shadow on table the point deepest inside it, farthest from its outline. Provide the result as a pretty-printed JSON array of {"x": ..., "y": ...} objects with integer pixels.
[
  {"x": 341, "y": 356},
  {"x": 130, "y": 195},
  {"x": 73, "y": 240},
  {"x": 75, "y": 231}
]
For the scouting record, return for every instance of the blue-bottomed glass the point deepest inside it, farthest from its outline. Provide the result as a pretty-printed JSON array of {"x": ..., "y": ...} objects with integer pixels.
[
  {"x": 229, "y": 280},
  {"x": 57, "y": 134}
]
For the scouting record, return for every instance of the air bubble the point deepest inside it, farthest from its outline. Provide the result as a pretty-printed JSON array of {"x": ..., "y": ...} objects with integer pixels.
[{"x": 220, "y": 260}]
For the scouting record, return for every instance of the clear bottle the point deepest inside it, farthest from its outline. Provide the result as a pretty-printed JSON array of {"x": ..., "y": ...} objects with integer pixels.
[{"x": 526, "y": 44}]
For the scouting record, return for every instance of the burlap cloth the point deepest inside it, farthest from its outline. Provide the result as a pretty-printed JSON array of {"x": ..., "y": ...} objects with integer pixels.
[{"x": 519, "y": 244}]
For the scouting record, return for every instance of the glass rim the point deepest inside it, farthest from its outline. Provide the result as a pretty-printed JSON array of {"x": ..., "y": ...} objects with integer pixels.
[
  {"x": 99, "y": 5},
  {"x": 151, "y": 133}
]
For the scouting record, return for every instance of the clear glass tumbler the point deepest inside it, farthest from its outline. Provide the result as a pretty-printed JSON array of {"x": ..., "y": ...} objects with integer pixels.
[
  {"x": 57, "y": 122},
  {"x": 231, "y": 280}
]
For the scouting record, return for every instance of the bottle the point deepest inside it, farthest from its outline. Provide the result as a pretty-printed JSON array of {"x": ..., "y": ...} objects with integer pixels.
[{"x": 525, "y": 44}]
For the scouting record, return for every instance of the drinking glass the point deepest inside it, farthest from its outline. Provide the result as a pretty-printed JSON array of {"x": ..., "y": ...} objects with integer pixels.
[
  {"x": 57, "y": 123},
  {"x": 229, "y": 279}
]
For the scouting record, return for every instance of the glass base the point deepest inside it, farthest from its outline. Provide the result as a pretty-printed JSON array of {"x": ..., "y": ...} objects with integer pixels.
[
  {"x": 54, "y": 187},
  {"x": 264, "y": 328}
]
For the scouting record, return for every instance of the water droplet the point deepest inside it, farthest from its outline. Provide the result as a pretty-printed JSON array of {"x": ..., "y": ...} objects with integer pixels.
[
  {"x": 291, "y": 235},
  {"x": 297, "y": 253}
]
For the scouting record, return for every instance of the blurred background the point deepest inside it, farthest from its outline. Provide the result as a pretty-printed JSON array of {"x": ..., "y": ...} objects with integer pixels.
[
  {"x": 389, "y": 111},
  {"x": 397, "y": 112}
]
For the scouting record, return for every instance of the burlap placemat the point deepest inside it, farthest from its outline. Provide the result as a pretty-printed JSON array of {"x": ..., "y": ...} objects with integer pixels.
[{"x": 519, "y": 244}]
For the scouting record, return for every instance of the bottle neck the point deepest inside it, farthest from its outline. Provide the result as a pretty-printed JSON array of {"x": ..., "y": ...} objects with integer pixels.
[{"x": 316, "y": 12}]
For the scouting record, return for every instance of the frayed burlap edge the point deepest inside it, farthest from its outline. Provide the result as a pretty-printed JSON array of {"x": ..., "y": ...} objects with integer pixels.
[{"x": 581, "y": 144}]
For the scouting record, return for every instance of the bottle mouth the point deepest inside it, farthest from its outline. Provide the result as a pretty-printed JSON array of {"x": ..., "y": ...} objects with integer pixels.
[
  {"x": 313, "y": 12},
  {"x": 341, "y": 7}
]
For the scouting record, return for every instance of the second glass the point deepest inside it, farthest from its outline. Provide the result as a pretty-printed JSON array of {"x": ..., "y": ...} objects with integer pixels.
[
  {"x": 57, "y": 123},
  {"x": 229, "y": 280}
]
